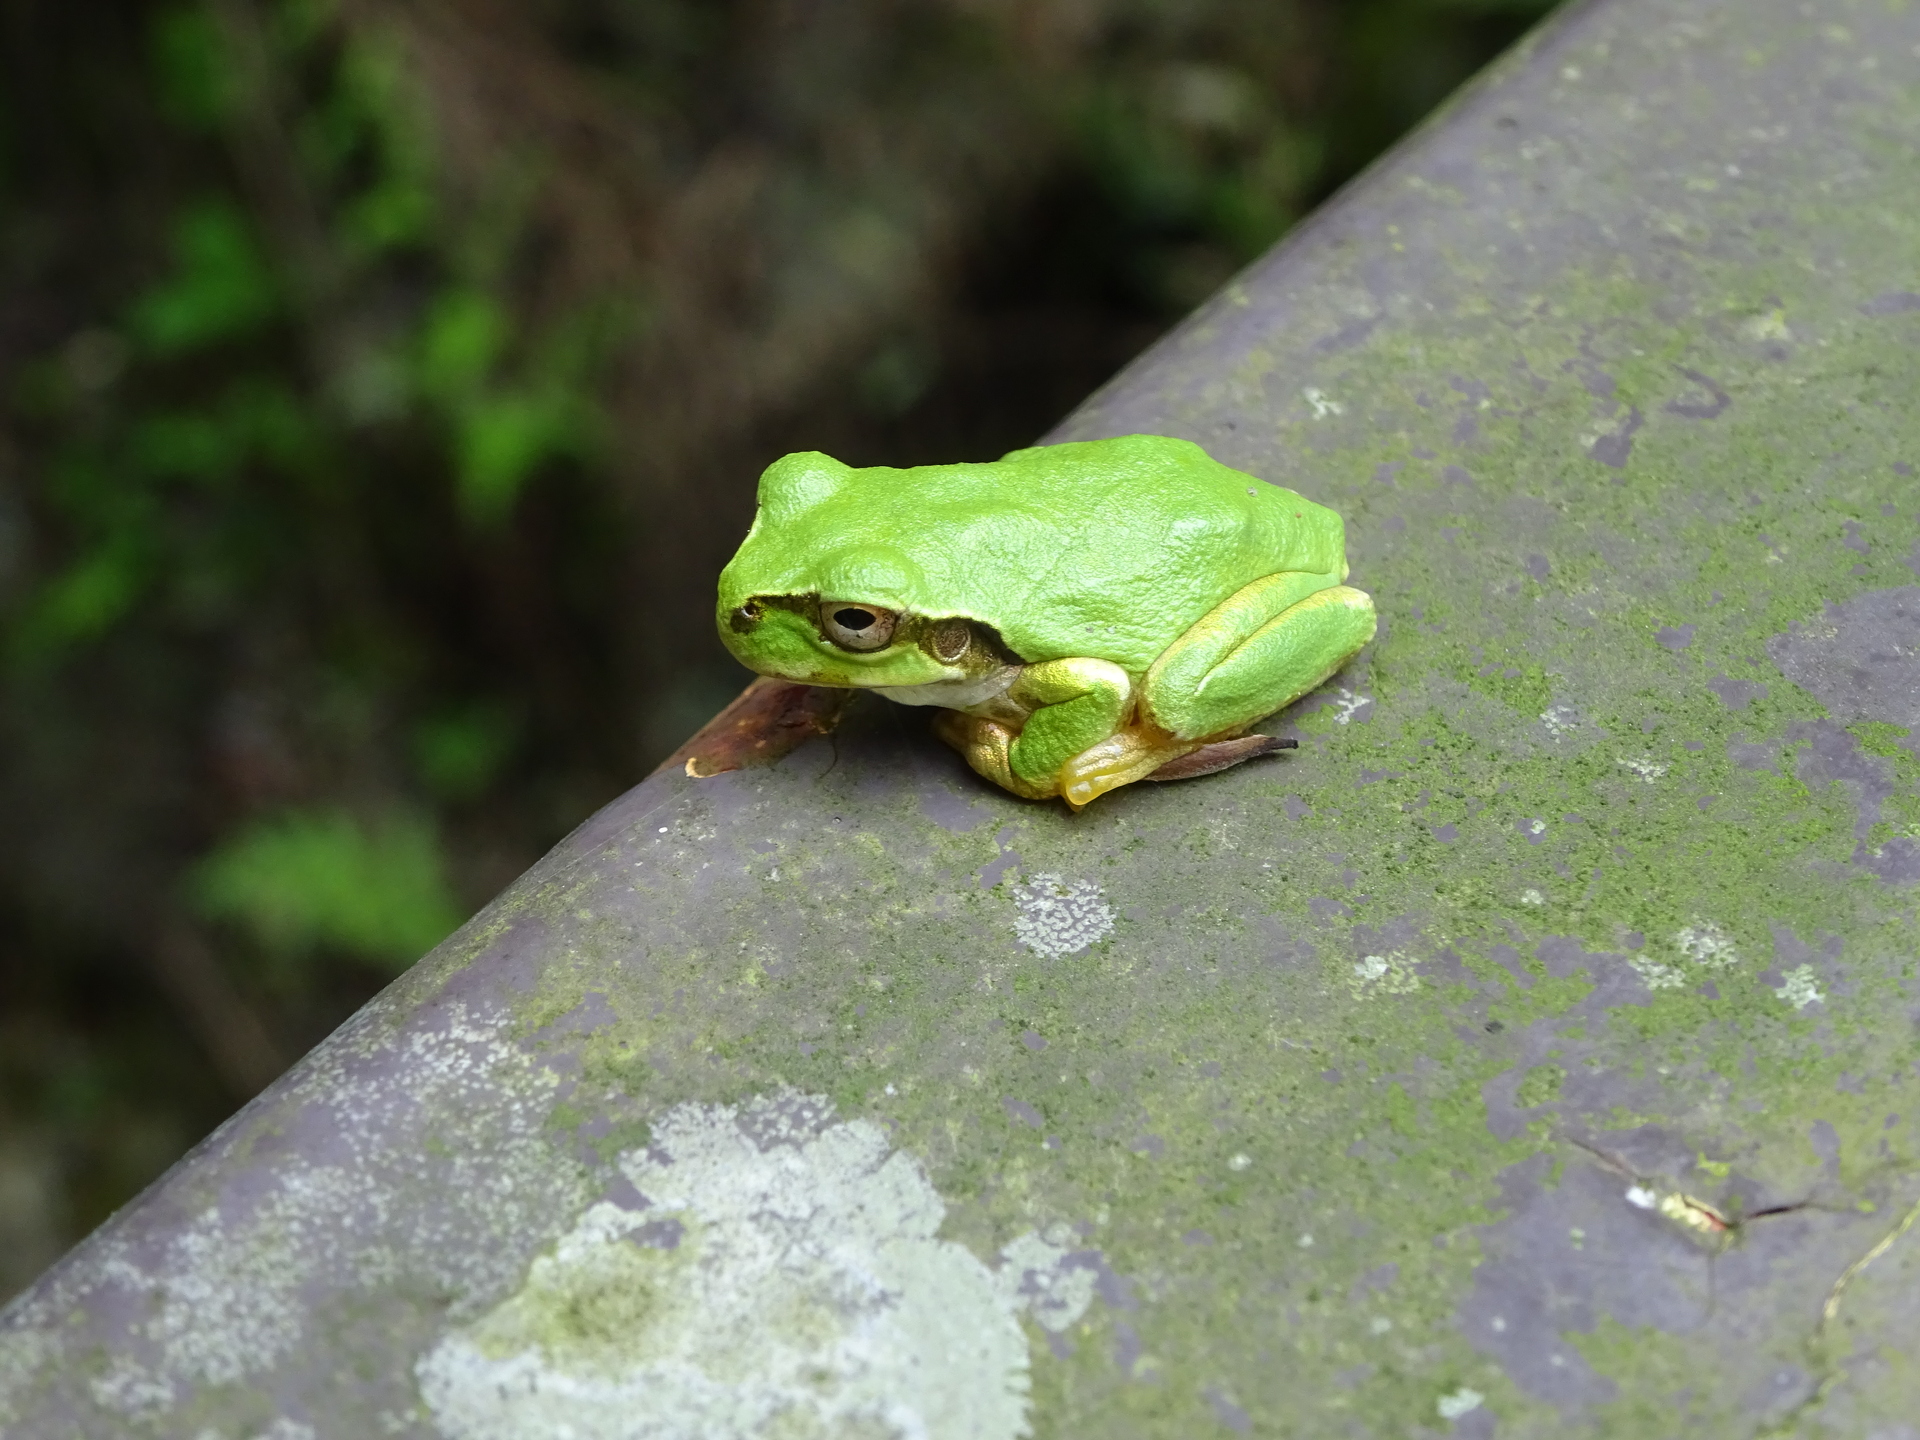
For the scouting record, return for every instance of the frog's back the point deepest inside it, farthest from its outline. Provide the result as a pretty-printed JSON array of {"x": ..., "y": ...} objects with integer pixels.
[{"x": 1102, "y": 548}]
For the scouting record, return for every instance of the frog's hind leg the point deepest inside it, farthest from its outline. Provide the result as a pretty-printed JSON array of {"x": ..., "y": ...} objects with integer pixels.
[{"x": 1260, "y": 649}]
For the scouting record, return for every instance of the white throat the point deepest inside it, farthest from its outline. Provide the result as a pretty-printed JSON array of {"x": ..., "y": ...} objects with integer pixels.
[{"x": 954, "y": 694}]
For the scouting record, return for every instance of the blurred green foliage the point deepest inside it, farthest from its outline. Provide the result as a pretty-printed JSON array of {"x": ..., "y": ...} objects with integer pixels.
[
  {"x": 311, "y": 880},
  {"x": 383, "y": 389},
  {"x": 221, "y": 287}
]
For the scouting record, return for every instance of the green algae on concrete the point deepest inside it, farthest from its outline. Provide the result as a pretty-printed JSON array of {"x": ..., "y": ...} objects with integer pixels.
[{"x": 1531, "y": 1053}]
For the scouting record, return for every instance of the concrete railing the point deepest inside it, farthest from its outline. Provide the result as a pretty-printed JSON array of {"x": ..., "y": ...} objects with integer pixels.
[{"x": 1531, "y": 1051}]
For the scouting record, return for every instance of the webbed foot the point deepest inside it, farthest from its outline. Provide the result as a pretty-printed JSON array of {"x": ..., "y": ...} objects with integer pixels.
[{"x": 1122, "y": 758}]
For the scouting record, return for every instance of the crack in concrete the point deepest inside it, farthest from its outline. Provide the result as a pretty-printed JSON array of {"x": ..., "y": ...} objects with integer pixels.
[{"x": 1833, "y": 1374}]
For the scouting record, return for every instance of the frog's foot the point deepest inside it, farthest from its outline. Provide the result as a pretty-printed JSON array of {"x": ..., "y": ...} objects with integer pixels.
[
  {"x": 1221, "y": 755},
  {"x": 986, "y": 744},
  {"x": 1127, "y": 755}
]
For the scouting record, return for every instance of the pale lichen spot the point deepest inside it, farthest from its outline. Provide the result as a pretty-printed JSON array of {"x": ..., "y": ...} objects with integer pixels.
[
  {"x": 1645, "y": 767},
  {"x": 1321, "y": 403},
  {"x": 1532, "y": 897},
  {"x": 1800, "y": 987},
  {"x": 1059, "y": 917},
  {"x": 1561, "y": 721},
  {"x": 1038, "y": 1271},
  {"x": 224, "y": 1296},
  {"x": 1240, "y": 1161},
  {"x": 1457, "y": 1403},
  {"x": 784, "y": 1276},
  {"x": 1765, "y": 326},
  {"x": 1379, "y": 1325},
  {"x": 1389, "y": 974},
  {"x": 1706, "y": 944},
  {"x": 1657, "y": 974},
  {"x": 1703, "y": 945},
  {"x": 1347, "y": 703}
]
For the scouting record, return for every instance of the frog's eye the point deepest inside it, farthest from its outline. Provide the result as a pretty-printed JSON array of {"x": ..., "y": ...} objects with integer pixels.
[{"x": 856, "y": 627}]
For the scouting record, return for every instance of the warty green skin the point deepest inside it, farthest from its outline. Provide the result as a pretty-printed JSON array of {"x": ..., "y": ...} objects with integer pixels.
[{"x": 1105, "y": 549}]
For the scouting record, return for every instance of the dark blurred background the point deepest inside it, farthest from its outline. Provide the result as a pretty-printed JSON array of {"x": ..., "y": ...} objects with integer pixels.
[{"x": 385, "y": 381}]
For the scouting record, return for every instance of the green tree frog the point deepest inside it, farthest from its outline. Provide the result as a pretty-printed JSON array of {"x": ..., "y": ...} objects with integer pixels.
[{"x": 1083, "y": 615}]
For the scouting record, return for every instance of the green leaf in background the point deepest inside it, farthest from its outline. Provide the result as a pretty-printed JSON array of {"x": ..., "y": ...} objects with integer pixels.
[
  {"x": 193, "y": 66},
  {"x": 221, "y": 287},
  {"x": 380, "y": 111},
  {"x": 309, "y": 880},
  {"x": 501, "y": 441},
  {"x": 82, "y": 601},
  {"x": 464, "y": 333},
  {"x": 458, "y": 754}
]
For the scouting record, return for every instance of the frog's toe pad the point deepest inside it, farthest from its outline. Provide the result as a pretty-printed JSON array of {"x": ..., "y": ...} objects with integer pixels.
[{"x": 1221, "y": 755}]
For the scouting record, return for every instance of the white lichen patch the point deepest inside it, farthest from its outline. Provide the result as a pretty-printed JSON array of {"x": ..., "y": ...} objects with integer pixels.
[
  {"x": 1038, "y": 1271},
  {"x": 1644, "y": 766},
  {"x": 132, "y": 1390},
  {"x": 1703, "y": 946},
  {"x": 1800, "y": 987},
  {"x": 24, "y": 1353},
  {"x": 1389, "y": 974},
  {"x": 227, "y": 1292},
  {"x": 785, "y": 1278},
  {"x": 1658, "y": 974},
  {"x": 1346, "y": 704},
  {"x": 1321, "y": 403},
  {"x": 1560, "y": 720},
  {"x": 1532, "y": 897},
  {"x": 1059, "y": 917},
  {"x": 1459, "y": 1402},
  {"x": 1707, "y": 945}
]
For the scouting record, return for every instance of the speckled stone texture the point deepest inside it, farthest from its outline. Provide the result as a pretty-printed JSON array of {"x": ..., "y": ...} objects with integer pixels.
[{"x": 1530, "y": 1053}]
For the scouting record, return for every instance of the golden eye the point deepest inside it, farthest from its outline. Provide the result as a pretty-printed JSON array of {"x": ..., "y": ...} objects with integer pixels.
[
  {"x": 951, "y": 639},
  {"x": 856, "y": 627}
]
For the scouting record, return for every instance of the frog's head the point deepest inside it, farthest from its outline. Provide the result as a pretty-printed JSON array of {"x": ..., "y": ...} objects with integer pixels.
[
  {"x": 812, "y": 596},
  {"x": 855, "y": 628}
]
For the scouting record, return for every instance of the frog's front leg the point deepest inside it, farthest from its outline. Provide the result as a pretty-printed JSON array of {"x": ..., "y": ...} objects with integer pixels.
[
  {"x": 1260, "y": 649},
  {"x": 1072, "y": 739},
  {"x": 987, "y": 745}
]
